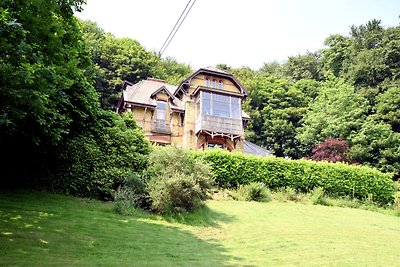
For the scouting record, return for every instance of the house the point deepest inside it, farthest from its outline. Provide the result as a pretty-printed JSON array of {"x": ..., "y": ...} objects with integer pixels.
[{"x": 204, "y": 111}]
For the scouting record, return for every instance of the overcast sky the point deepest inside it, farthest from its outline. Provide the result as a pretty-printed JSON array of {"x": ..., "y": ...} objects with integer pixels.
[{"x": 237, "y": 33}]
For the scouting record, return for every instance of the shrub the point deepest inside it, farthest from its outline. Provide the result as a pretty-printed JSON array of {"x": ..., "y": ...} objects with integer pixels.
[
  {"x": 254, "y": 192},
  {"x": 396, "y": 203},
  {"x": 340, "y": 179},
  {"x": 317, "y": 196},
  {"x": 332, "y": 150},
  {"x": 96, "y": 164},
  {"x": 177, "y": 181},
  {"x": 131, "y": 195}
]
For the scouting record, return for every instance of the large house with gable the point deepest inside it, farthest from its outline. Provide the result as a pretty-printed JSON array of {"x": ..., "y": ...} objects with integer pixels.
[{"x": 204, "y": 111}]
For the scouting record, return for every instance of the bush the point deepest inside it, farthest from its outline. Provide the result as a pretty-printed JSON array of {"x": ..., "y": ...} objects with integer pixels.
[
  {"x": 177, "y": 182},
  {"x": 254, "y": 192},
  {"x": 338, "y": 179},
  {"x": 332, "y": 150},
  {"x": 131, "y": 195},
  {"x": 95, "y": 164},
  {"x": 317, "y": 196}
]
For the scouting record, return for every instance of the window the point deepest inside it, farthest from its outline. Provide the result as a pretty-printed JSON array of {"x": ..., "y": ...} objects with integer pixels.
[
  {"x": 220, "y": 105},
  {"x": 214, "y": 83},
  {"x": 207, "y": 82},
  {"x": 221, "y": 85},
  {"x": 214, "y": 145},
  {"x": 161, "y": 115}
]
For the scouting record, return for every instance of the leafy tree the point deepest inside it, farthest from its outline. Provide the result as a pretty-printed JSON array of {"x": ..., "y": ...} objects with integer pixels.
[
  {"x": 332, "y": 150},
  {"x": 310, "y": 88},
  {"x": 272, "y": 69},
  {"x": 388, "y": 107},
  {"x": 305, "y": 66},
  {"x": 366, "y": 58},
  {"x": 119, "y": 59},
  {"x": 337, "y": 112},
  {"x": 223, "y": 67},
  {"x": 276, "y": 109},
  {"x": 170, "y": 70},
  {"x": 44, "y": 93},
  {"x": 94, "y": 163},
  {"x": 377, "y": 145},
  {"x": 115, "y": 60}
]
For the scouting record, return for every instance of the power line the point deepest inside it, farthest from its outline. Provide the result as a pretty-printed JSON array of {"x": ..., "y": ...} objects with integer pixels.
[
  {"x": 169, "y": 35},
  {"x": 167, "y": 42}
]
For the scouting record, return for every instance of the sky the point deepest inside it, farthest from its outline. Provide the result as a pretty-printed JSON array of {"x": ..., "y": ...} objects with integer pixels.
[{"x": 237, "y": 32}]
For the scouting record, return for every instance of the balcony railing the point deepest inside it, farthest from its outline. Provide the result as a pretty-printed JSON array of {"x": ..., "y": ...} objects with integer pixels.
[
  {"x": 219, "y": 125},
  {"x": 160, "y": 126}
]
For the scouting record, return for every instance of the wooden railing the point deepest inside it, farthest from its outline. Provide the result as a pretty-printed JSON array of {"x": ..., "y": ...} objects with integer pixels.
[
  {"x": 219, "y": 124},
  {"x": 160, "y": 126}
]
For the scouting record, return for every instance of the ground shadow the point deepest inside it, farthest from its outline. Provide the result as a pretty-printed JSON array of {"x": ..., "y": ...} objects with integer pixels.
[
  {"x": 203, "y": 216},
  {"x": 46, "y": 229}
]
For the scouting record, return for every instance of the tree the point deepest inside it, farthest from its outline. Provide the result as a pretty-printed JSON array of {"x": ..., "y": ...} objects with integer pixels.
[
  {"x": 115, "y": 60},
  {"x": 388, "y": 105},
  {"x": 377, "y": 145},
  {"x": 332, "y": 150},
  {"x": 276, "y": 109},
  {"x": 171, "y": 71},
  {"x": 272, "y": 69},
  {"x": 44, "y": 93},
  {"x": 337, "y": 112},
  {"x": 366, "y": 58},
  {"x": 306, "y": 66}
]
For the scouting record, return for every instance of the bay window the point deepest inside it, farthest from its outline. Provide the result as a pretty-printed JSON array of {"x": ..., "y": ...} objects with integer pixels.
[{"x": 220, "y": 105}]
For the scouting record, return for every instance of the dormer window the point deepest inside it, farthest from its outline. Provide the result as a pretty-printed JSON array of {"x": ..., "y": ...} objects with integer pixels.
[
  {"x": 207, "y": 82},
  {"x": 220, "y": 84},
  {"x": 214, "y": 83}
]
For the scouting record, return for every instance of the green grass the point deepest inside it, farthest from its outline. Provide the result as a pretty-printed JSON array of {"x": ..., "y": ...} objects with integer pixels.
[{"x": 41, "y": 229}]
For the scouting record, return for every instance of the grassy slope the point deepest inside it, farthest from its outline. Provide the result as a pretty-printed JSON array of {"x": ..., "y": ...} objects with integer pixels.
[{"x": 39, "y": 229}]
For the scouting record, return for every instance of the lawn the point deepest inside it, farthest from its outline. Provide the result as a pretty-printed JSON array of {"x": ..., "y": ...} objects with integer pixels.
[{"x": 41, "y": 229}]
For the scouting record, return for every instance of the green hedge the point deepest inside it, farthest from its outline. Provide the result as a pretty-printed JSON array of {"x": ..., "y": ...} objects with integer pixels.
[{"x": 233, "y": 169}]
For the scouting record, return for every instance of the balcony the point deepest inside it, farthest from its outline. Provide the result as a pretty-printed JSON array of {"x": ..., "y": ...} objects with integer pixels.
[
  {"x": 219, "y": 125},
  {"x": 160, "y": 126}
]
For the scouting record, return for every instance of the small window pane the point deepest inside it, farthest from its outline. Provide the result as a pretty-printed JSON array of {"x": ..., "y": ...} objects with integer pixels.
[
  {"x": 206, "y": 107},
  {"x": 221, "y": 85}
]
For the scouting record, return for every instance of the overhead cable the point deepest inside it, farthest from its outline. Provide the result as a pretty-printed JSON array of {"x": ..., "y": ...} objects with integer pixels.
[{"x": 176, "y": 27}]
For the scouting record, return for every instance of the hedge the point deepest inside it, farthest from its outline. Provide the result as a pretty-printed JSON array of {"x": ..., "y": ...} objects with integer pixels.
[{"x": 339, "y": 179}]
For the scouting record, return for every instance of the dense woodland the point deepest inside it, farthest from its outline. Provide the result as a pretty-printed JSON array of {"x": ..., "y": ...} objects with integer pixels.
[{"x": 60, "y": 80}]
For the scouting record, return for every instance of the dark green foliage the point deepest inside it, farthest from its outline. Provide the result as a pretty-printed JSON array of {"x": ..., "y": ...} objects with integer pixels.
[
  {"x": 377, "y": 145},
  {"x": 276, "y": 109},
  {"x": 131, "y": 195},
  {"x": 45, "y": 96},
  {"x": 338, "y": 179},
  {"x": 118, "y": 59},
  {"x": 177, "y": 181},
  {"x": 95, "y": 164}
]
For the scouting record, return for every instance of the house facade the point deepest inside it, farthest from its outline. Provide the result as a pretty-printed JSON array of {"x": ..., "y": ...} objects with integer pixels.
[{"x": 204, "y": 111}]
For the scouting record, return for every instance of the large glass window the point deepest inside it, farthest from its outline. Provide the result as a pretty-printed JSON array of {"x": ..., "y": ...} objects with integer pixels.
[{"x": 220, "y": 105}]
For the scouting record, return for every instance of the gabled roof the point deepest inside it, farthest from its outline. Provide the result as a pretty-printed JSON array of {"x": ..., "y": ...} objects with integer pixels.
[
  {"x": 162, "y": 89},
  {"x": 214, "y": 72},
  {"x": 143, "y": 92}
]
